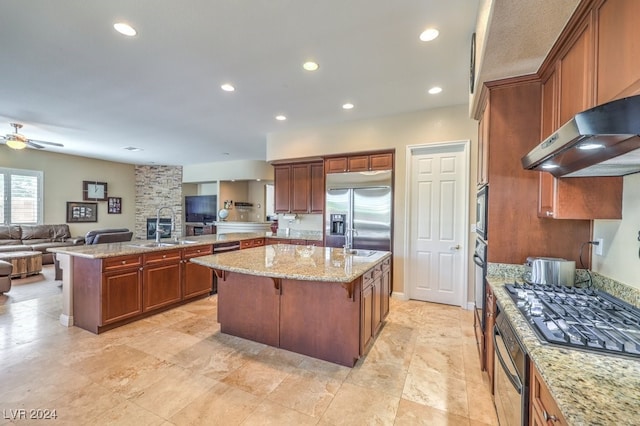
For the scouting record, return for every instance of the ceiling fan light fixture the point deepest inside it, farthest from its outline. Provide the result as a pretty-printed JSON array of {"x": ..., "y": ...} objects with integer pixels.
[{"x": 16, "y": 143}]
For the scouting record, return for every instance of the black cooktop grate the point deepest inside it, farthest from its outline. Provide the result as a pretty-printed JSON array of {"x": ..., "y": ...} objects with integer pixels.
[{"x": 579, "y": 318}]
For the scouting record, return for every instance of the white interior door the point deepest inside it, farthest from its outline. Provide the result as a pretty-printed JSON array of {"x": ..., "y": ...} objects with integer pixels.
[{"x": 437, "y": 237}]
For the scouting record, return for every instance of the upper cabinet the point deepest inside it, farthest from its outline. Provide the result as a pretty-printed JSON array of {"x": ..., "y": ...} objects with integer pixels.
[
  {"x": 568, "y": 87},
  {"x": 483, "y": 146},
  {"x": 617, "y": 49},
  {"x": 359, "y": 163},
  {"x": 299, "y": 187}
]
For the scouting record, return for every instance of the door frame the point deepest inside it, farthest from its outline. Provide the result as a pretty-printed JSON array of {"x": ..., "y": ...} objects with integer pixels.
[{"x": 419, "y": 149}]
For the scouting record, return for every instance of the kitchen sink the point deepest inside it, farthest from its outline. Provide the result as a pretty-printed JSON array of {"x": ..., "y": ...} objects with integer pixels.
[
  {"x": 360, "y": 252},
  {"x": 153, "y": 244}
]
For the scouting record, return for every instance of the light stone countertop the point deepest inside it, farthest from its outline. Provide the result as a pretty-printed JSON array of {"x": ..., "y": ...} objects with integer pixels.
[
  {"x": 287, "y": 261},
  {"x": 100, "y": 251},
  {"x": 590, "y": 388}
]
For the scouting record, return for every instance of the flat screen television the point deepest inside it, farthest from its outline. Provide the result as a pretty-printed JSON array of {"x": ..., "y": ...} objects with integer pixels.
[{"x": 200, "y": 208}]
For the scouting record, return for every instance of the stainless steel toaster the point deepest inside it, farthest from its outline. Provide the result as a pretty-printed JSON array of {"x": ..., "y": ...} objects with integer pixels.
[{"x": 550, "y": 270}]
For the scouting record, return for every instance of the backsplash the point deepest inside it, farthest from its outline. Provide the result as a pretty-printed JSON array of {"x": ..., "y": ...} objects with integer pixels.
[
  {"x": 302, "y": 222},
  {"x": 621, "y": 291}
]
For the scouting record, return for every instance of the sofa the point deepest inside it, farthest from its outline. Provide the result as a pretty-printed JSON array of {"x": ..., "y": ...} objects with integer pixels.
[{"x": 36, "y": 238}]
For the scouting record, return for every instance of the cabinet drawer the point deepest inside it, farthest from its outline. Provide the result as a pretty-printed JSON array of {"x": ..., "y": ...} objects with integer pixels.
[
  {"x": 256, "y": 242},
  {"x": 162, "y": 256},
  {"x": 121, "y": 262},
  {"x": 386, "y": 264},
  {"x": 197, "y": 251},
  {"x": 368, "y": 277}
]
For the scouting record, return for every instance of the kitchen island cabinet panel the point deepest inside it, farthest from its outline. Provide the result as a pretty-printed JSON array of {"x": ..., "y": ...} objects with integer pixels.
[
  {"x": 328, "y": 330},
  {"x": 251, "y": 307},
  {"x": 161, "y": 285},
  {"x": 121, "y": 295},
  {"x": 197, "y": 279}
]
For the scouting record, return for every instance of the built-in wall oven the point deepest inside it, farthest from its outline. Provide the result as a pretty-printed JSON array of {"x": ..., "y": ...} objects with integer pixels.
[
  {"x": 482, "y": 210},
  {"x": 511, "y": 375}
]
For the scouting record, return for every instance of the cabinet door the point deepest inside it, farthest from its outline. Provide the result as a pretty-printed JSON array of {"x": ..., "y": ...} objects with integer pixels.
[
  {"x": 161, "y": 284},
  {"x": 282, "y": 188},
  {"x": 488, "y": 332},
  {"x": 197, "y": 279},
  {"x": 576, "y": 76},
  {"x": 317, "y": 188},
  {"x": 381, "y": 161},
  {"x": 336, "y": 165},
  {"x": 376, "y": 310},
  {"x": 483, "y": 147},
  {"x": 358, "y": 163},
  {"x": 618, "y": 50},
  {"x": 366, "y": 315},
  {"x": 121, "y": 294},
  {"x": 386, "y": 286},
  {"x": 301, "y": 188},
  {"x": 542, "y": 405}
]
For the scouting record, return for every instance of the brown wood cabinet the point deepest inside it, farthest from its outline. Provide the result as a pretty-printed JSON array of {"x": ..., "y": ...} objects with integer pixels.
[
  {"x": 197, "y": 279},
  {"x": 360, "y": 163},
  {"x": 294, "y": 241},
  {"x": 543, "y": 410},
  {"x": 489, "y": 322},
  {"x": 386, "y": 286},
  {"x": 254, "y": 242},
  {"x": 617, "y": 49},
  {"x": 514, "y": 228},
  {"x": 113, "y": 291},
  {"x": 161, "y": 283},
  {"x": 299, "y": 188},
  {"x": 483, "y": 147},
  {"x": 375, "y": 301},
  {"x": 121, "y": 289}
]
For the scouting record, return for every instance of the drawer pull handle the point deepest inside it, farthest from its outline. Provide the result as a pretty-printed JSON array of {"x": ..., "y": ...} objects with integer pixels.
[
  {"x": 548, "y": 416},
  {"x": 549, "y": 213},
  {"x": 164, "y": 256},
  {"x": 124, "y": 262}
]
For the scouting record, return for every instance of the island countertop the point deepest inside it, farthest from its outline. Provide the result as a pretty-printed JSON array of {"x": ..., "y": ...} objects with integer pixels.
[
  {"x": 100, "y": 251},
  {"x": 289, "y": 261},
  {"x": 590, "y": 388}
]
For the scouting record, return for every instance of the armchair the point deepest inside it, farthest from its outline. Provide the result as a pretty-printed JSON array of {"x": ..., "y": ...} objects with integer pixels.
[{"x": 6, "y": 268}]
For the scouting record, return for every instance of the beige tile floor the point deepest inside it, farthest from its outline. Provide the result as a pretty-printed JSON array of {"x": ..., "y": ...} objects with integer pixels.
[{"x": 177, "y": 368}]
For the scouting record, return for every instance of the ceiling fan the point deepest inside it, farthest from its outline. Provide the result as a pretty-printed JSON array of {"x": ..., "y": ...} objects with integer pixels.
[{"x": 17, "y": 141}]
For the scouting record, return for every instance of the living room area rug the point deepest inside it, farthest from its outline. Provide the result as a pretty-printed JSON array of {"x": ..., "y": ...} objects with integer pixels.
[{"x": 33, "y": 287}]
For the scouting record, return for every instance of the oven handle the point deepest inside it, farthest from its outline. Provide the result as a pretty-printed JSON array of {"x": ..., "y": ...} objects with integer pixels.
[
  {"x": 478, "y": 260},
  {"x": 513, "y": 378}
]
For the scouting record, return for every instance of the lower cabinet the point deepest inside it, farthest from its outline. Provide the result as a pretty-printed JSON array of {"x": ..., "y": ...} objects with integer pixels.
[
  {"x": 112, "y": 291},
  {"x": 489, "y": 322},
  {"x": 161, "y": 282},
  {"x": 294, "y": 241},
  {"x": 255, "y": 242},
  {"x": 374, "y": 301},
  {"x": 197, "y": 279},
  {"x": 543, "y": 409}
]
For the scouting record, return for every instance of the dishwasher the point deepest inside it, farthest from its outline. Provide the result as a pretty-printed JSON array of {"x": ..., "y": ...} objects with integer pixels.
[
  {"x": 219, "y": 248},
  {"x": 511, "y": 375}
]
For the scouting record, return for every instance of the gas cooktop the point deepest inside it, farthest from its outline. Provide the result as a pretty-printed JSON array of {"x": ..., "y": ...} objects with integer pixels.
[{"x": 579, "y": 318}]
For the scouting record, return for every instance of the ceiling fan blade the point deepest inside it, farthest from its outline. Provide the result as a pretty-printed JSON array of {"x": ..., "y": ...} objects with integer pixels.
[
  {"x": 37, "y": 142},
  {"x": 34, "y": 145}
]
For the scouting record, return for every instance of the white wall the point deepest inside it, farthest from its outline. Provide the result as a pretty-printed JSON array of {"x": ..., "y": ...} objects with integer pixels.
[
  {"x": 392, "y": 132},
  {"x": 227, "y": 170},
  {"x": 63, "y": 176},
  {"x": 621, "y": 256}
]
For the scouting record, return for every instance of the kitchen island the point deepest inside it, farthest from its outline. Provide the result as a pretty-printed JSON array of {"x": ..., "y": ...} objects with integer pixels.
[
  {"x": 107, "y": 285},
  {"x": 316, "y": 301}
]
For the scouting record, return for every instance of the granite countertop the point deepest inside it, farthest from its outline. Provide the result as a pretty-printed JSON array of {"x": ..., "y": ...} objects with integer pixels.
[
  {"x": 590, "y": 388},
  {"x": 286, "y": 261},
  {"x": 100, "y": 251}
]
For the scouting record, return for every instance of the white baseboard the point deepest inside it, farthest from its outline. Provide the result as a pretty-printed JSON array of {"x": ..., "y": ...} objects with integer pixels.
[
  {"x": 399, "y": 296},
  {"x": 470, "y": 306},
  {"x": 66, "y": 320}
]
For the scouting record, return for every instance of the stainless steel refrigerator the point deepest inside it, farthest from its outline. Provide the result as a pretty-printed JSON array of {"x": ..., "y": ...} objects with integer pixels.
[{"x": 359, "y": 203}]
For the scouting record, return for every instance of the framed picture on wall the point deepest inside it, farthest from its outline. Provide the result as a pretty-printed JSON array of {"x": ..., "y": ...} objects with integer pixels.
[
  {"x": 114, "y": 205},
  {"x": 82, "y": 212}
]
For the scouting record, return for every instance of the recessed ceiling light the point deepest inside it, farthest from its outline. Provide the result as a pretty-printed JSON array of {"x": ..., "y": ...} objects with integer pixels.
[
  {"x": 435, "y": 90},
  {"x": 281, "y": 117},
  {"x": 429, "y": 34},
  {"x": 125, "y": 29},
  {"x": 310, "y": 66},
  {"x": 227, "y": 87},
  {"x": 348, "y": 105}
]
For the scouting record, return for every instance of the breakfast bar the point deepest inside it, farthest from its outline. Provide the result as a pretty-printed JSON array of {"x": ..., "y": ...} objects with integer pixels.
[{"x": 317, "y": 301}]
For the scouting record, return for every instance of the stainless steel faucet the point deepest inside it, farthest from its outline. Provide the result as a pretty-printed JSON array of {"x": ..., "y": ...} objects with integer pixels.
[
  {"x": 348, "y": 238},
  {"x": 173, "y": 221}
]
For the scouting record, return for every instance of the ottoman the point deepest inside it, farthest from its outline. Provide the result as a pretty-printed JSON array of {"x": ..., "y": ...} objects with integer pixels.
[
  {"x": 6, "y": 269},
  {"x": 24, "y": 263}
]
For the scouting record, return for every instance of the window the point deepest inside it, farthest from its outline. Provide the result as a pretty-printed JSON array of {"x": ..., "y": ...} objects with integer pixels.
[{"x": 21, "y": 196}]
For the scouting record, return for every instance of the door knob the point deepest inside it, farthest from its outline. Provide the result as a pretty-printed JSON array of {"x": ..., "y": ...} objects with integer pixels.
[{"x": 456, "y": 247}]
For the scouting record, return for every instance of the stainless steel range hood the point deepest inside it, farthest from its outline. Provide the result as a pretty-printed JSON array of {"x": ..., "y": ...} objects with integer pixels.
[{"x": 601, "y": 141}]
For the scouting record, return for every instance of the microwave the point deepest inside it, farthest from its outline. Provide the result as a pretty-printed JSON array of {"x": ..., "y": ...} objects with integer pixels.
[{"x": 482, "y": 209}]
